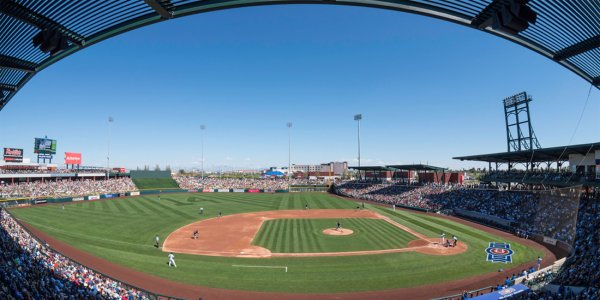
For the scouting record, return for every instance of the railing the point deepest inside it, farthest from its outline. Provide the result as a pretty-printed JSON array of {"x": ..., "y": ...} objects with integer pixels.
[
  {"x": 149, "y": 295},
  {"x": 477, "y": 292}
]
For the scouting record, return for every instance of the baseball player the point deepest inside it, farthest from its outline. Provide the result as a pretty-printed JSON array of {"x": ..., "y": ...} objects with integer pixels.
[
  {"x": 338, "y": 225},
  {"x": 156, "y": 241},
  {"x": 63, "y": 206},
  {"x": 220, "y": 214},
  {"x": 454, "y": 241},
  {"x": 539, "y": 262},
  {"x": 201, "y": 210},
  {"x": 195, "y": 234},
  {"x": 443, "y": 238},
  {"x": 172, "y": 260}
]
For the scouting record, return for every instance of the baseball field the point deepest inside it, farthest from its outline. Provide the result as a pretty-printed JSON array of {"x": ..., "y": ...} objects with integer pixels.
[{"x": 290, "y": 238}]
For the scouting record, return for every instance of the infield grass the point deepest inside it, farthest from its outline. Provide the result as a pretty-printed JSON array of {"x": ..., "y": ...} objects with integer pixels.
[
  {"x": 122, "y": 231},
  {"x": 306, "y": 235}
]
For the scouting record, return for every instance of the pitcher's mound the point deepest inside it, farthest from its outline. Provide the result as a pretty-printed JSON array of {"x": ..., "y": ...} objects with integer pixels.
[{"x": 342, "y": 231}]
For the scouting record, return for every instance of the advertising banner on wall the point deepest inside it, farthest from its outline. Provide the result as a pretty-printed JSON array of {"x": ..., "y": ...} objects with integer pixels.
[
  {"x": 134, "y": 193},
  {"x": 207, "y": 190},
  {"x": 94, "y": 197},
  {"x": 238, "y": 190},
  {"x": 13, "y": 155},
  {"x": 253, "y": 191},
  {"x": 72, "y": 158},
  {"x": 223, "y": 190}
]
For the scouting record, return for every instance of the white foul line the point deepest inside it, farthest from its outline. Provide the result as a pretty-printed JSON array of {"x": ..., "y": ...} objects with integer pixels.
[{"x": 268, "y": 267}]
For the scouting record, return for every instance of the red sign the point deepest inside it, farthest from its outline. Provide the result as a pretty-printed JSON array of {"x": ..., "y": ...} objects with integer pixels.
[
  {"x": 72, "y": 158},
  {"x": 253, "y": 191},
  {"x": 13, "y": 155}
]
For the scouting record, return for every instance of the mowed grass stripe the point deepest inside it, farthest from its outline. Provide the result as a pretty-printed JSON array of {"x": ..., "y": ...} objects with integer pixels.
[
  {"x": 304, "y": 235},
  {"x": 132, "y": 246},
  {"x": 379, "y": 235},
  {"x": 129, "y": 205},
  {"x": 170, "y": 209},
  {"x": 395, "y": 236},
  {"x": 375, "y": 238}
]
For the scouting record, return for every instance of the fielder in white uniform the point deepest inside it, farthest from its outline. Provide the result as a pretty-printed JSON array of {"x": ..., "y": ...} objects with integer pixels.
[
  {"x": 443, "y": 238},
  {"x": 172, "y": 260}
]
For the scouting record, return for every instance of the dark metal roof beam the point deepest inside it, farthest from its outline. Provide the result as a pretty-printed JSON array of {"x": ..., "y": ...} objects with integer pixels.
[
  {"x": 8, "y": 87},
  {"x": 26, "y": 15},
  {"x": 484, "y": 18},
  {"x": 160, "y": 9},
  {"x": 581, "y": 47},
  {"x": 596, "y": 81},
  {"x": 8, "y": 62}
]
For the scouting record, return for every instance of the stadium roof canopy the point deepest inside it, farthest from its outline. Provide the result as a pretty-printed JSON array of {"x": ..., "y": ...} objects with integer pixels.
[
  {"x": 419, "y": 167},
  {"x": 553, "y": 154},
  {"x": 567, "y": 32},
  {"x": 372, "y": 168}
]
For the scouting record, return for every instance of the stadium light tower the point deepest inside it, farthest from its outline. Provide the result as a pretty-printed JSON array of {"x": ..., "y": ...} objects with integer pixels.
[
  {"x": 357, "y": 118},
  {"x": 110, "y": 121},
  {"x": 289, "y": 174},
  {"x": 202, "y": 128}
]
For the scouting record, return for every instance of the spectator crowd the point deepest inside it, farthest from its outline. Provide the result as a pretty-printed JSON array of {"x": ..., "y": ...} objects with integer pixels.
[
  {"x": 29, "y": 269},
  {"x": 63, "y": 188},
  {"x": 267, "y": 184},
  {"x": 566, "y": 215}
]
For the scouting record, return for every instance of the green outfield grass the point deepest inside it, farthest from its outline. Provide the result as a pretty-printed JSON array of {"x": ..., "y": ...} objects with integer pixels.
[
  {"x": 155, "y": 183},
  {"x": 122, "y": 231},
  {"x": 306, "y": 235}
]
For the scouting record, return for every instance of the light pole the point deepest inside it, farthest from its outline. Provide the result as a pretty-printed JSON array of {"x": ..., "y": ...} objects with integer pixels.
[
  {"x": 202, "y": 127},
  {"x": 357, "y": 118},
  {"x": 110, "y": 120},
  {"x": 289, "y": 126}
]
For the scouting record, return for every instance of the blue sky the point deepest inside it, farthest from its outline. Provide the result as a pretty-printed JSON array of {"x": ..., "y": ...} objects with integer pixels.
[{"x": 428, "y": 90}]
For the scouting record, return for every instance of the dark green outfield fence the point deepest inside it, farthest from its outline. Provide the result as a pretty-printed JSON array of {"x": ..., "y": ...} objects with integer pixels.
[{"x": 149, "y": 174}]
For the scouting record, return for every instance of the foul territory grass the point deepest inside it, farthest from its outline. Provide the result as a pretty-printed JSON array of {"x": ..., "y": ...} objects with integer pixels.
[
  {"x": 306, "y": 235},
  {"x": 122, "y": 231}
]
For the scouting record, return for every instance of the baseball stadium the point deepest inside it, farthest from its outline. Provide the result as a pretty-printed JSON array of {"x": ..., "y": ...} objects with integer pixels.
[{"x": 524, "y": 224}]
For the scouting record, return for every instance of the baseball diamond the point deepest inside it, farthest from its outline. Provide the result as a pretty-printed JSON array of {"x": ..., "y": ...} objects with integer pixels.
[{"x": 394, "y": 243}]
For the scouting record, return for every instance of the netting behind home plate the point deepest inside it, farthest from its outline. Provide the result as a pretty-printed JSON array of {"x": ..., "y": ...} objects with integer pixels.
[{"x": 552, "y": 213}]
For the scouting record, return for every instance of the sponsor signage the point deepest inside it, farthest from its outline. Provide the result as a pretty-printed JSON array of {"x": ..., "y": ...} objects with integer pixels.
[
  {"x": 13, "y": 155},
  {"x": 44, "y": 146},
  {"x": 223, "y": 190},
  {"x": 38, "y": 201},
  {"x": 192, "y": 191},
  {"x": 207, "y": 190},
  {"x": 134, "y": 193},
  {"x": 94, "y": 197},
  {"x": 499, "y": 252},
  {"x": 78, "y": 199},
  {"x": 109, "y": 195},
  {"x": 72, "y": 158},
  {"x": 238, "y": 190},
  {"x": 506, "y": 293},
  {"x": 550, "y": 241},
  {"x": 253, "y": 191}
]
